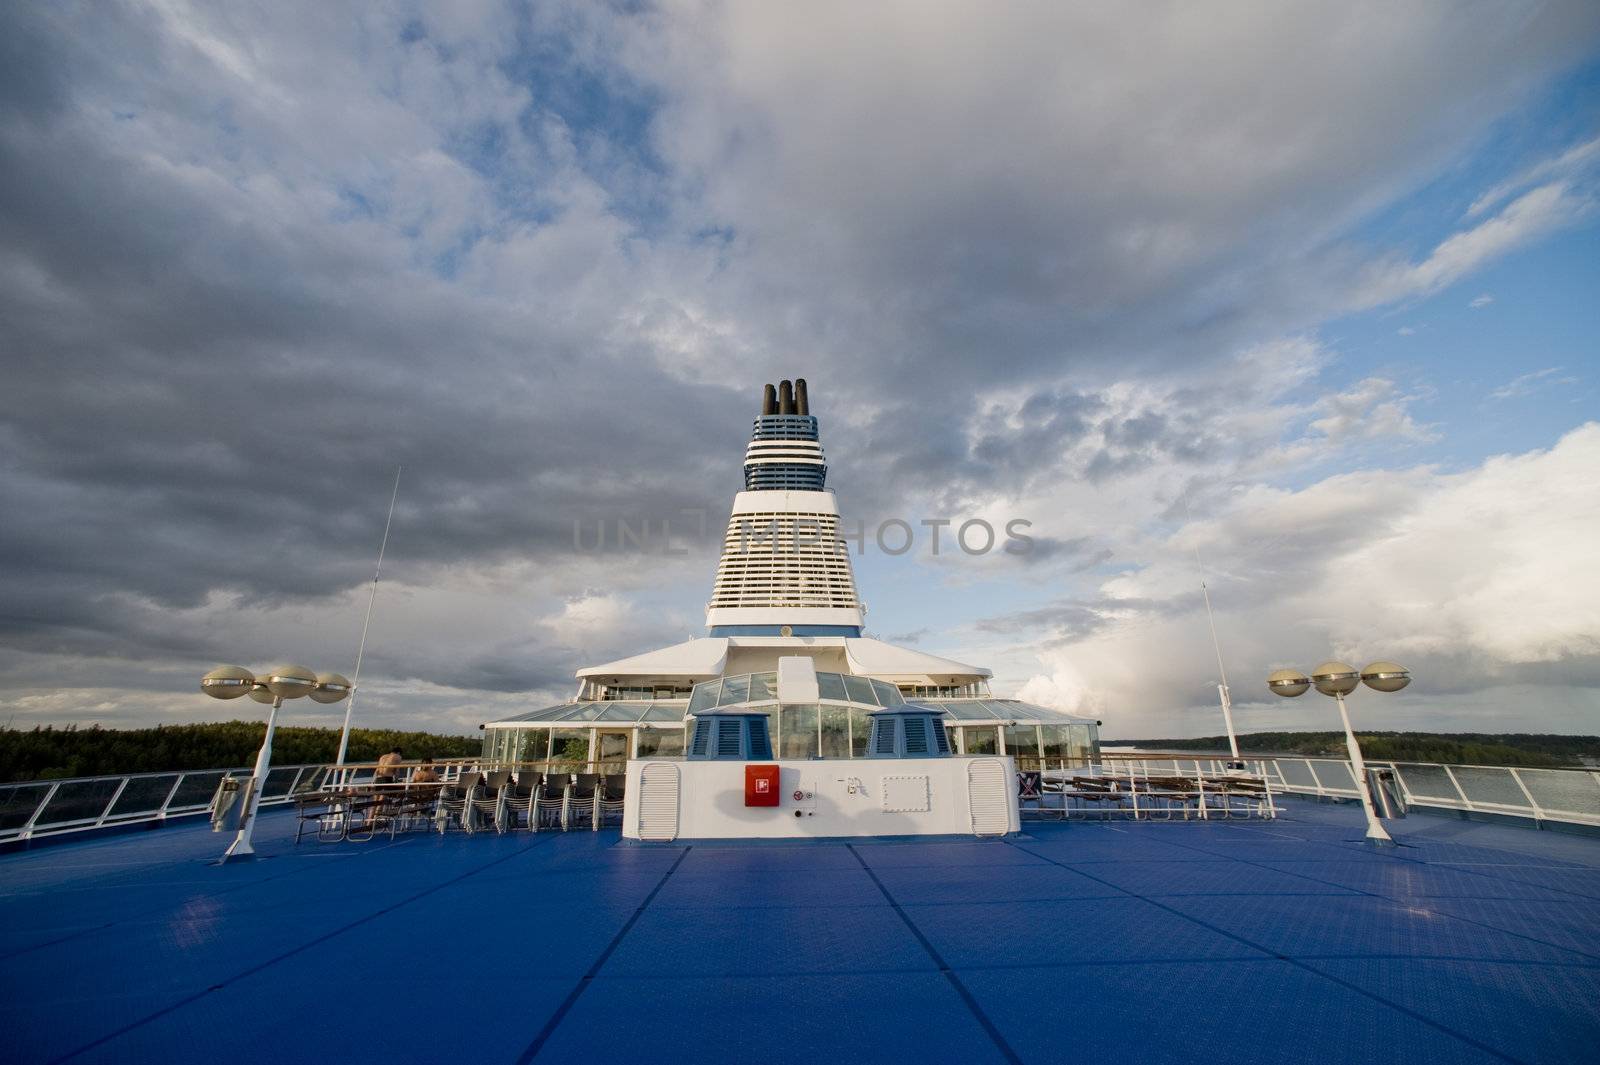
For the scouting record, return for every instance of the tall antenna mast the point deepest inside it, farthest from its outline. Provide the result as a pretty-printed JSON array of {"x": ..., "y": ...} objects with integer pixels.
[
  {"x": 1216, "y": 645},
  {"x": 350, "y": 703}
]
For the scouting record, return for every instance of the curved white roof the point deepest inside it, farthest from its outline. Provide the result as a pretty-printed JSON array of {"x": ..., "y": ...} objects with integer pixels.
[
  {"x": 879, "y": 659},
  {"x": 701, "y": 657}
]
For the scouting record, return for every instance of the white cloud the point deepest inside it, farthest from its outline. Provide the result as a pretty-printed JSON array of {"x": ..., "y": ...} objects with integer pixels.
[
  {"x": 1526, "y": 384},
  {"x": 1531, "y": 215},
  {"x": 1479, "y": 302},
  {"x": 1405, "y": 331},
  {"x": 1482, "y": 582},
  {"x": 1370, "y": 411},
  {"x": 1577, "y": 160}
]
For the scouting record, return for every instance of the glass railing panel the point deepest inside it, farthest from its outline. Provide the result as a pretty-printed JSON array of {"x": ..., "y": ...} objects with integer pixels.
[
  {"x": 1296, "y": 774},
  {"x": 1563, "y": 790},
  {"x": 279, "y": 780},
  {"x": 831, "y": 686},
  {"x": 17, "y": 803},
  {"x": 704, "y": 697},
  {"x": 1334, "y": 776},
  {"x": 144, "y": 795},
  {"x": 1428, "y": 782},
  {"x": 198, "y": 788},
  {"x": 763, "y": 686},
  {"x": 887, "y": 693},
  {"x": 1490, "y": 786},
  {"x": 80, "y": 800},
  {"x": 311, "y": 780},
  {"x": 859, "y": 690}
]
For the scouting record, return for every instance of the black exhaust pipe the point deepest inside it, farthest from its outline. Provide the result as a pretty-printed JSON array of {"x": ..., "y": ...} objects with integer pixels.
[
  {"x": 769, "y": 400},
  {"x": 802, "y": 405},
  {"x": 785, "y": 397}
]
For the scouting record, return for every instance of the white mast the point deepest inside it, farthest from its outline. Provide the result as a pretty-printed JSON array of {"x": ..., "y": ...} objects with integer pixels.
[
  {"x": 1216, "y": 645},
  {"x": 344, "y": 734}
]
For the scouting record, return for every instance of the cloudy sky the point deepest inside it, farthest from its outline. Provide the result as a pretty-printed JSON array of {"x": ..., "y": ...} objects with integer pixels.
[{"x": 1304, "y": 291}]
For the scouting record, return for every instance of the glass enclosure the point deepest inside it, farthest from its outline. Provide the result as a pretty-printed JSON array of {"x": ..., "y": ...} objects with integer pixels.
[{"x": 612, "y": 731}]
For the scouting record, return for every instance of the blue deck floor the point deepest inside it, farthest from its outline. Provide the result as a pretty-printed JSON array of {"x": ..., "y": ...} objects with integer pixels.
[{"x": 1132, "y": 943}]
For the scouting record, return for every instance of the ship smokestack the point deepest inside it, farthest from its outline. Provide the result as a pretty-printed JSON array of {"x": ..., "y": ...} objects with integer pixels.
[
  {"x": 785, "y": 397},
  {"x": 802, "y": 405},
  {"x": 769, "y": 400}
]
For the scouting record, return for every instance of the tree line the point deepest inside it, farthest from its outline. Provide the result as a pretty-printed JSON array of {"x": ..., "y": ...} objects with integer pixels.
[
  {"x": 1544, "y": 750},
  {"x": 49, "y": 753}
]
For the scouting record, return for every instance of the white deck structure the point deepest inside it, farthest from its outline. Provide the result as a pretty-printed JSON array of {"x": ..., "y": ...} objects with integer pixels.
[{"x": 784, "y": 587}]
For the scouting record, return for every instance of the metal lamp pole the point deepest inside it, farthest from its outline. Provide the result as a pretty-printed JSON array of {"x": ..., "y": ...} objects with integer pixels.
[
  {"x": 271, "y": 687},
  {"x": 1338, "y": 679}
]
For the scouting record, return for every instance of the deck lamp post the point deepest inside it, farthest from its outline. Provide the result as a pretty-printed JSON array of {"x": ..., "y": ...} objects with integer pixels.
[
  {"x": 271, "y": 687},
  {"x": 1339, "y": 679}
]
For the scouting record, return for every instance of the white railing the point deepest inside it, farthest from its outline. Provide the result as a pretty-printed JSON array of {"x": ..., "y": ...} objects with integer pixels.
[
  {"x": 1559, "y": 795},
  {"x": 48, "y": 807}
]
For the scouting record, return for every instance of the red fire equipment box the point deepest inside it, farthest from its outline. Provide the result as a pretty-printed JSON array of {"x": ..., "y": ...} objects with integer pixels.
[{"x": 761, "y": 785}]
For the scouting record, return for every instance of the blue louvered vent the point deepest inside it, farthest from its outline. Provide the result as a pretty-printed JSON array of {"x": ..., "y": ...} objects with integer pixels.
[
  {"x": 916, "y": 735},
  {"x": 737, "y": 737},
  {"x": 760, "y": 742},
  {"x": 908, "y": 731}
]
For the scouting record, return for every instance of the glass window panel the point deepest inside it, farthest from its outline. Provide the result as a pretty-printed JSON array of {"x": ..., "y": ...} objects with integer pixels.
[
  {"x": 797, "y": 737},
  {"x": 530, "y": 745},
  {"x": 1085, "y": 743},
  {"x": 859, "y": 690},
  {"x": 950, "y": 735},
  {"x": 705, "y": 696},
  {"x": 966, "y": 711},
  {"x": 831, "y": 686},
  {"x": 660, "y": 743},
  {"x": 734, "y": 690},
  {"x": 982, "y": 740},
  {"x": 623, "y": 711},
  {"x": 763, "y": 686},
  {"x": 860, "y": 730},
  {"x": 569, "y": 745},
  {"x": 586, "y": 711},
  {"x": 668, "y": 712},
  {"x": 888, "y": 694},
  {"x": 1057, "y": 740},
  {"x": 835, "y": 732},
  {"x": 1022, "y": 741}
]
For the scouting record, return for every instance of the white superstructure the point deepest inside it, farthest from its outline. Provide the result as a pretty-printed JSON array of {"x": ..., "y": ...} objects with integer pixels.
[{"x": 784, "y": 587}]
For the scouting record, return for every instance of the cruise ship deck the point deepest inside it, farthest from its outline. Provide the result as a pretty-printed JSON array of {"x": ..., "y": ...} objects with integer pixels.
[{"x": 1277, "y": 942}]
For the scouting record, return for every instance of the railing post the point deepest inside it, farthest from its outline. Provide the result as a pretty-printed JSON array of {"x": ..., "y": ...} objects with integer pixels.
[
  {"x": 1538, "y": 814},
  {"x": 1459, "y": 789},
  {"x": 161, "y": 814},
  {"x": 50, "y": 793},
  {"x": 114, "y": 797}
]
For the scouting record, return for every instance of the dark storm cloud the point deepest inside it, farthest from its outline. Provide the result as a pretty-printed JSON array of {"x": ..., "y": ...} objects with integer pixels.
[{"x": 251, "y": 261}]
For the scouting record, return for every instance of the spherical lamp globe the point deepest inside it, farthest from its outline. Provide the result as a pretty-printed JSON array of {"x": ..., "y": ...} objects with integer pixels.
[
  {"x": 228, "y": 682},
  {"x": 1386, "y": 676},
  {"x": 331, "y": 687},
  {"x": 1288, "y": 682},
  {"x": 1335, "y": 678},
  {"x": 289, "y": 682}
]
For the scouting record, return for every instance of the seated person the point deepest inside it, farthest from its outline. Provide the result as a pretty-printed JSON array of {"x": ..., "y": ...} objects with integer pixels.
[
  {"x": 388, "y": 765},
  {"x": 425, "y": 773}
]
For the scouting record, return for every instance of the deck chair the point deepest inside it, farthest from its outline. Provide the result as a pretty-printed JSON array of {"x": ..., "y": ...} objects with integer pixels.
[
  {"x": 455, "y": 803},
  {"x": 613, "y": 789},
  {"x": 550, "y": 805},
  {"x": 520, "y": 799},
  {"x": 582, "y": 801},
  {"x": 489, "y": 802}
]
